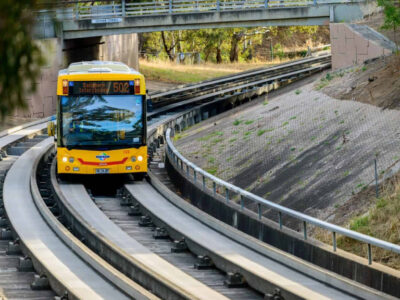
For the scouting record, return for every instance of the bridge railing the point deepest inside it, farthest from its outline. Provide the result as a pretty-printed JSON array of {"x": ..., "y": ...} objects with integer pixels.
[
  {"x": 195, "y": 173},
  {"x": 121, "y": 8}
]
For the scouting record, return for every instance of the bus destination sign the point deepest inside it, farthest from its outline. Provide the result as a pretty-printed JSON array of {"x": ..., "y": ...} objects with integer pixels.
[{"x": 101, "y": 87}]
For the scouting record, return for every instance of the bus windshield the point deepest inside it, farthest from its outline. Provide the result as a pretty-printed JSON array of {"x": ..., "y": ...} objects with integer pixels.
[{"x": 102, "y": 120}]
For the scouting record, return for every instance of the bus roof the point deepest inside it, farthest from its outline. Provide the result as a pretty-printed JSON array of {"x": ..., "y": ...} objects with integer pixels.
[{"x": 97, "y": 66}]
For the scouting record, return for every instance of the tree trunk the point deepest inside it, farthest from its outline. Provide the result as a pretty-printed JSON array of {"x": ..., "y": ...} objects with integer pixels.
[
  {"x": 234, "y": 52},
  {"x": 207, "y": 54},
  {"x": 167, "y": 50},
  {"x": 218, "y": 56}
]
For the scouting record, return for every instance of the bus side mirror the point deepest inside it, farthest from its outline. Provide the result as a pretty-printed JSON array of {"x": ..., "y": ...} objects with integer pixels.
[{"x": 51, "y": 128}]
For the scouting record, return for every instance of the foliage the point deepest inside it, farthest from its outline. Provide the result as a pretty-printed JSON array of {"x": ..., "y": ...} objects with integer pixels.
[
  {"x": 278, "y": 50},
  {"x": 220, "y": 45},
  {"x": 391, "y": 11},
  {"x": 21, "y": 58}
]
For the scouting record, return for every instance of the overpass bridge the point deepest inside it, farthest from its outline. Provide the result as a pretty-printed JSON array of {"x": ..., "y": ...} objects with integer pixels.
[{"x": 121, "y": 17}]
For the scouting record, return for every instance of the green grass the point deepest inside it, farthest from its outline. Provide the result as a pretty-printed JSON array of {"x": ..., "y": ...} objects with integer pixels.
[
  {"x": 382, "y": 221},
  {"x": 358, "y": 223},
  {"x": 247, "y": 133},
  {"x": 261, "y": 132},
  {"x": 178, "y": 136},
  {"x": 216, "y": 141},
  {"x": 178, "y": 76},
  {"x": 248, "y": 122},
  {"x": 265, "y": 102},
  {"x": 297, "y": 92},
  {"x": 236, "y": 122},
  {"x": 212, "y": 170},
  {"x": 210, "y": 136}
]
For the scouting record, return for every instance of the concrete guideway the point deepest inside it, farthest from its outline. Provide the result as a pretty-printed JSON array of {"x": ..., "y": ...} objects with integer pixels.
[
  {"x": 248, "y": 90},
  {"x": 260, "y": 271},
  {"x": 182, "y": 285},
  {"x": 65, "y": 270},
  {"x": 12, "y": 135},
  {"x": 206, "y": 87}
]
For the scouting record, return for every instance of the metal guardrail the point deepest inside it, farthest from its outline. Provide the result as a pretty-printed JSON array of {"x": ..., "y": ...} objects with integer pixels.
[
  {"x": 116, "y": 10},
  {"x": 230, "y": 189}
]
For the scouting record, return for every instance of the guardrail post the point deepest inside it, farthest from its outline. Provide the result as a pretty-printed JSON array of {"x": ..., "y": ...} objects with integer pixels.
[
  {"x": 227, "y": 194},
  {"x": 170, "y": 6},
  {"x": 123, "y": 8},
  {"x": 369, "y": 254},
  {"x": 204, "y": 182},
  {"x": 376, "y": 179},
  {"x": 218, "y": 5},
  {"x": 181, "y": 164},
  {"x": 334, "y": 241},
  {"x": 280, "y": 220},
  {"x": 241, "y": 202},
  {"x": 194, "y": 176},
  {"x": 305, "y": 229},
  {"x": 214, "y": 188},
  {"x": 259, "y": 210}
]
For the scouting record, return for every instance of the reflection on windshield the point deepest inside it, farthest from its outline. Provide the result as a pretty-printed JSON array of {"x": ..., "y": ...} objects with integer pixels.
[{"x": 102, "y": 120}]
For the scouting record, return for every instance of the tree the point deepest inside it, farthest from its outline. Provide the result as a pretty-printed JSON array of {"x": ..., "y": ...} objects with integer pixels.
[
  {"x": 391, "y": 11},
  {"x": 21, "y": 58}
]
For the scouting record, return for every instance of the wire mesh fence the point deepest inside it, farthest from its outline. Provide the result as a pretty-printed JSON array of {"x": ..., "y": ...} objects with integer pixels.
[{"x": 303, "y": 150}]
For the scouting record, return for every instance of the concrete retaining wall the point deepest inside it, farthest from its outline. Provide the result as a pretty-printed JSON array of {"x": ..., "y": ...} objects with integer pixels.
[
  {"x": 376, "y": 276},
  {"x": 117, "y": 47},
  {"x": 353, "y": 44}
]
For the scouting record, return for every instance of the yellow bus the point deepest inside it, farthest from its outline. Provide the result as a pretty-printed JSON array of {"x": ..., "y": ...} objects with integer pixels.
[{"x": 101, "y": 119}]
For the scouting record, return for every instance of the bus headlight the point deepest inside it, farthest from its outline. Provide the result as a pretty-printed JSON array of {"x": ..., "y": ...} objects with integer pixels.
[
  {"x": 65, "y": 159},
  {"x": 140, "y": 158},
  {"x": 133, "y": 158},
  {"x": 71, "y": 159}
]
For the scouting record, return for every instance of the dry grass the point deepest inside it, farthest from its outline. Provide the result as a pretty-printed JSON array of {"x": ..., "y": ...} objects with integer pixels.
[
  {"x": 180, "y": 73},
  {"x": 382, "y": 221}
]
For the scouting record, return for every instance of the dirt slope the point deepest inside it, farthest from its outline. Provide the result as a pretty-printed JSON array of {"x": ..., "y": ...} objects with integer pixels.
[{"x": 376, "y": 83}]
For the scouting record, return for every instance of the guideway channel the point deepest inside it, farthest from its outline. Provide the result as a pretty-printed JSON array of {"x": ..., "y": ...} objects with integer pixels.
[
  {"x": 40, "y": 241},
  {"x": 176, "y": 284},
  {"x": 42, "y": 237},
  {"x": 261, "y": 272},
  {"x": 17, "y": 274}
]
